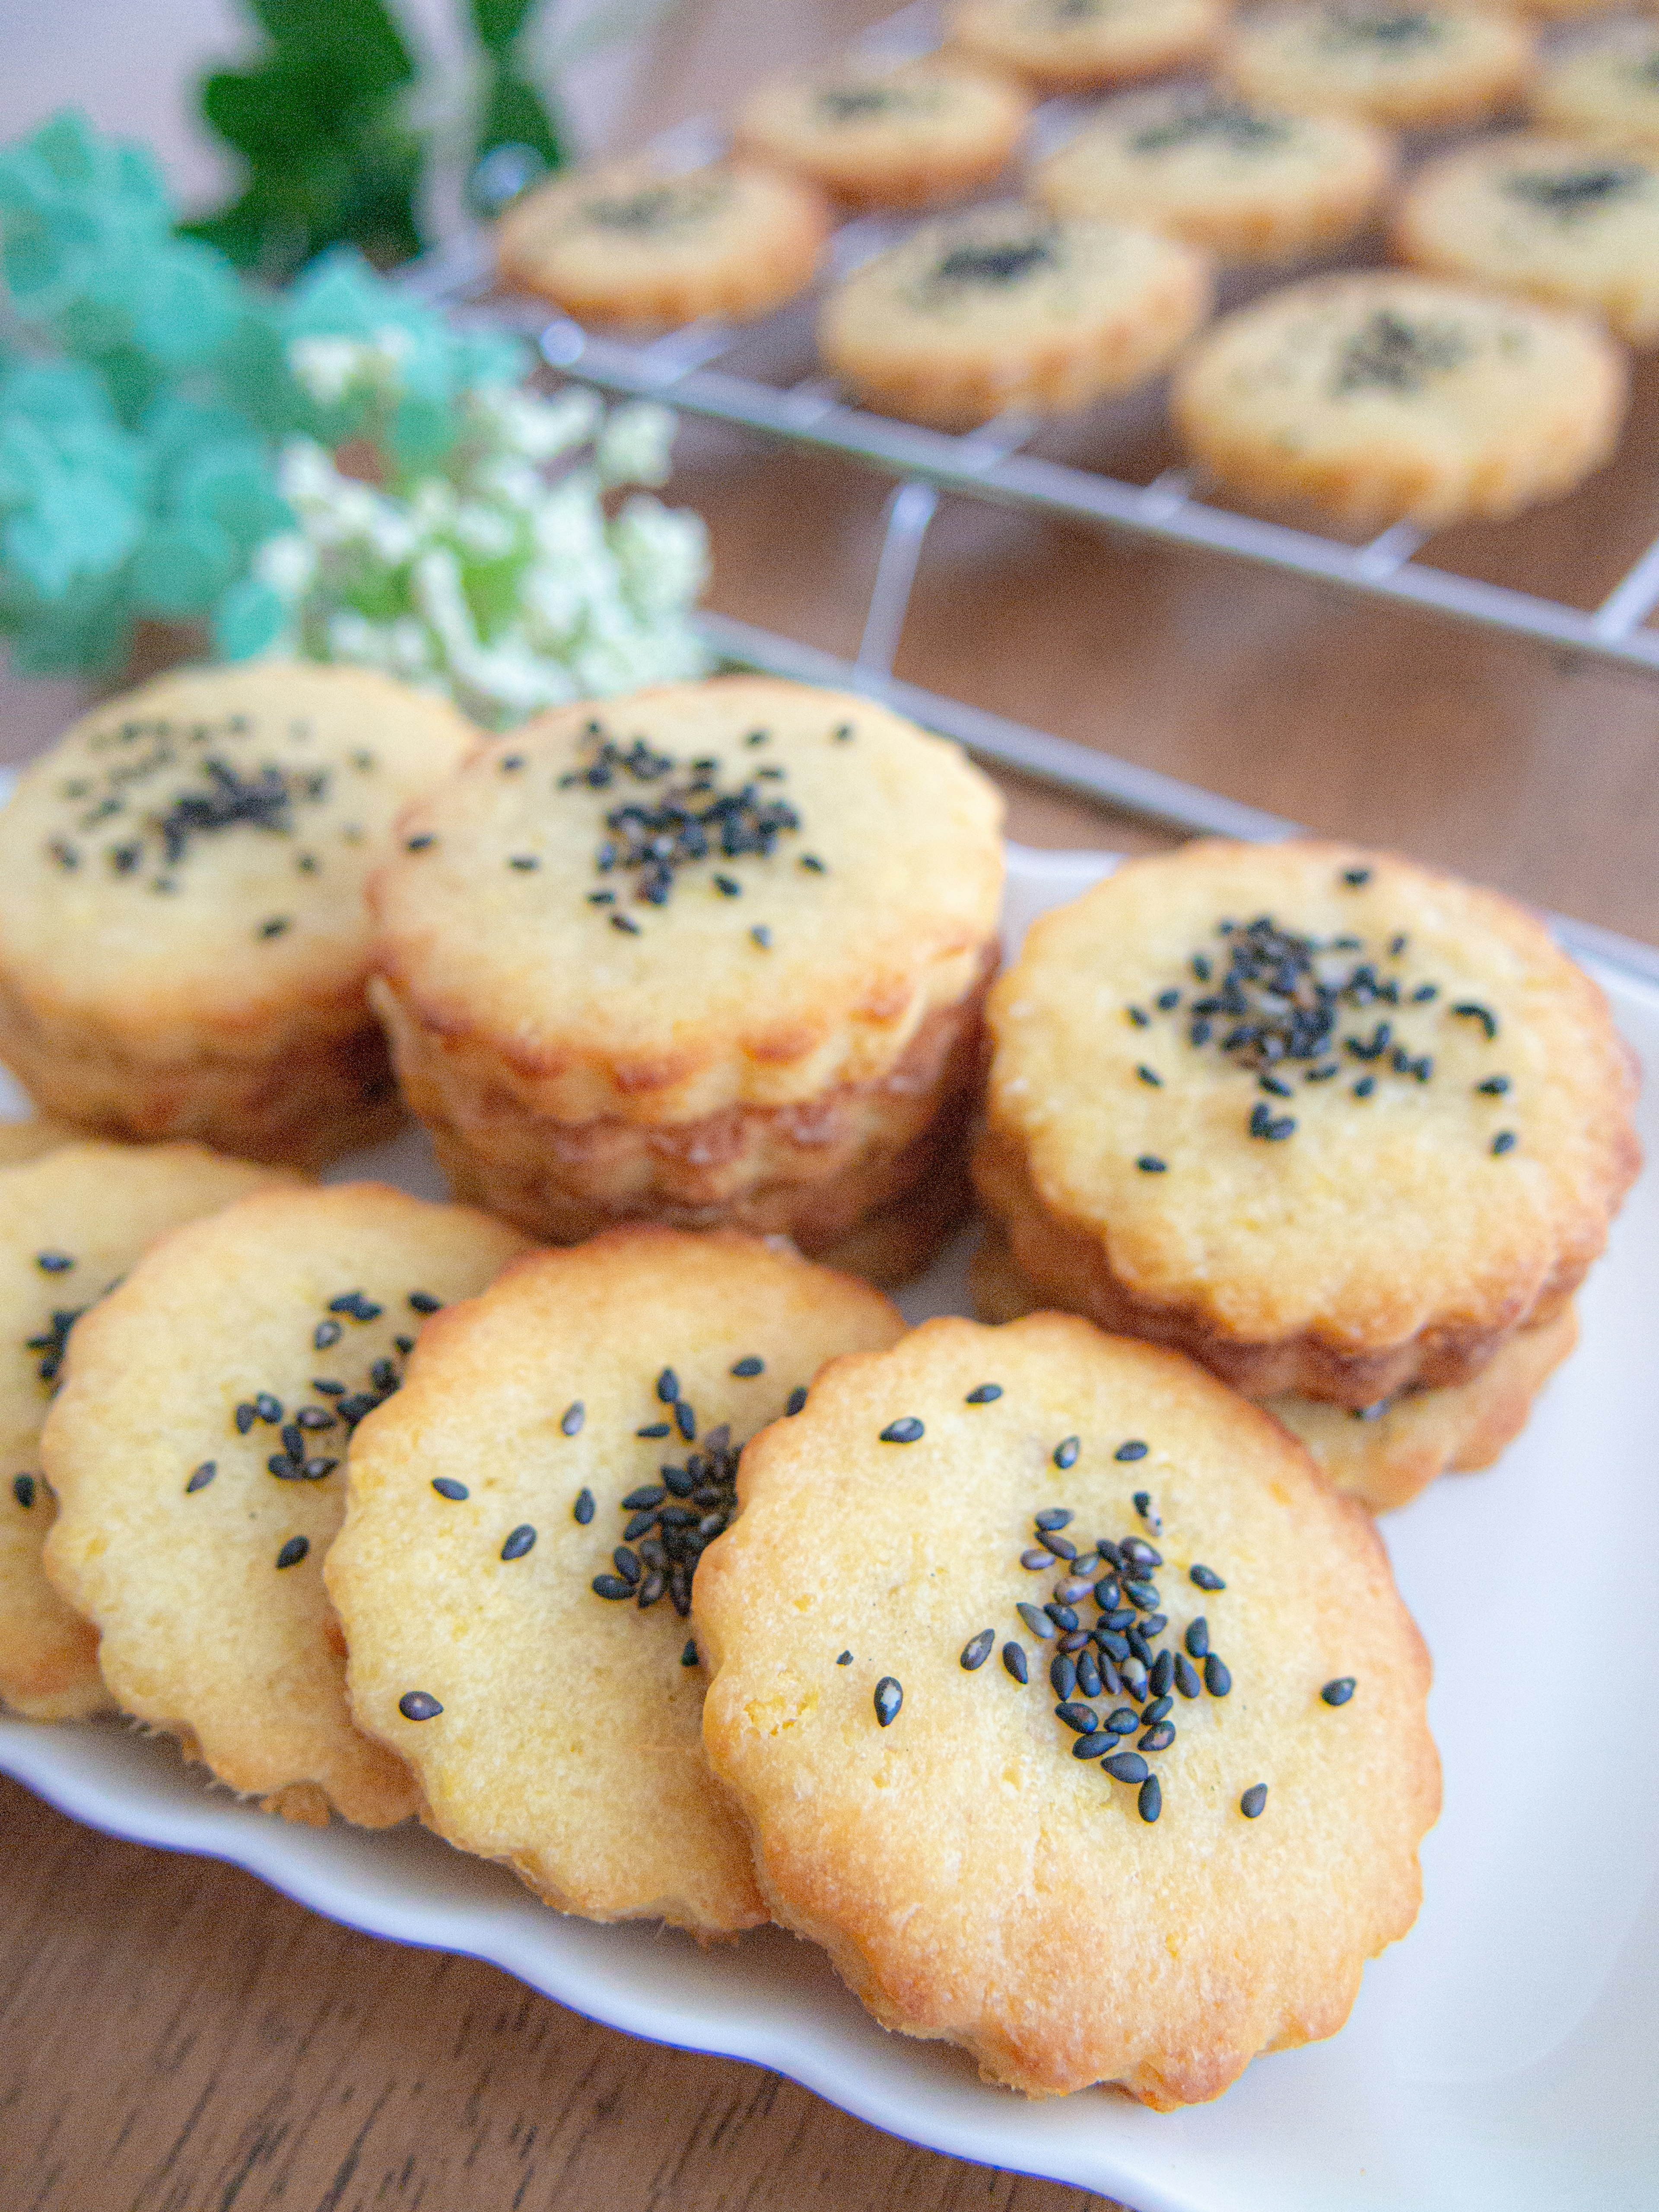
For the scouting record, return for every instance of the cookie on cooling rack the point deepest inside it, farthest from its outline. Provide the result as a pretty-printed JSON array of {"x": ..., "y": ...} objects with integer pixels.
[
  {"x": 71, "y": 1225},
  {"x": 197, "y": 1452},
  {"x": 1418, "y": 66},
  {"x": 1604, "y": 88},
  {"x": 1249, "y": 184},
  {"x": 1075, "y": 45},
  {"x": 711, "y": 954},
  {"x": 877, "y": 136},
  {"x": 1572, "y": 224},
  {"x": 1383, "y": 1454},
  {"x": 516, "y": 1571},
  {"x": 1383, "y": 397},
  {"x": 631, "y": 242},
  {"x": 1073, "y": 1712},
  {"x": 1332, "y": 1123},
  {"x": 183, "y": 932},
  {"x": 1008, "y": 307}
]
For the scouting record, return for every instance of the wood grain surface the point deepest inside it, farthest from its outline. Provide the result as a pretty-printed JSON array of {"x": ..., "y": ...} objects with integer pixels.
[{"x": 174, "y": 2037}]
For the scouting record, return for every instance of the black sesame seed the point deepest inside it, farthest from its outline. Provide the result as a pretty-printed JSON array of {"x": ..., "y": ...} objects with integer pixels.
[
  {"x": 447, "y": 1487},
  {"x": 1159, "y": 1737},
  {"x": 728, "y": 887},
  {"x": 276, "y": 926},
  {"x": 1088, "y": 1675},
  {"x": 1134, "y": 1450},
  {"x": 977, "y": 1650},
  {"x": 1217, "y": 1679},
  {"x": 1013, "y": 1658},
  {"x": 1356, "y": 878},
  {"x": 654, "y": 1429},
  {"x": 1154, "y": 1625},
  {"x": 1037, "y": 1558},
  {"x": 668, "y": 1386},
  {"x": 1062, "y": 1675},
  {"x": 1339, "y": 1692},
  {"x": 1150, "y": 1075},
  {"x": 797, "y": 1398},
  {"x": 326, "y": 1333},
  {"x": 1075, "y": 1640},
  {"x": 888, "y": 1698},
  {"x": 1149, "y": 1164},
  {"x": 425, "y": 1302},
  {"x": 1185, "y": 1677},
  {"x": 1137, "y": 1018},
  {"x": 744, "y": 1368},
  {"x": 1162, "y": 1673},
  {"x": 1095, "y": 1745},
  {"x": 1252, "y": 1802},
  {"x": 612, "y": 1586},
  {"x": 54, "y": 1263},
  {"x": 23, "y": 1488},
  {"x": 1167, "y": 1001},
  {"x": 1365, "y": 1087},
  {"x": 1150, "y": 1802},
  {"x": 1495, "y": 1086},
  {"x": 1062, "y": 1616},
  {"x": 1053, "y": 1516},
  {"x": 1066, "y": 1455},
  {"x": 419, "y": 1705},
  {"x": 292, "y": 1551},
  {"x": 1158, "y": 1709},
  {"x": 1504, "y": 1141},
  {"x": 1470, "y": 1010},
  {"x": 1127, "y": 1766},
  {"x": 518, "y": 1542},
  {"x": 763, "y": 936},
  {"x": 986, "y": 1395},
  {"x": 1037, "y": 1622},
  {"x": 523, "y": 862},
  {"x": 267, "y": 1408},
  {"x": 906, "y": 1430},
  {"x": 1082, "y": 1720},
  {"x": 1205, "y": 1577},
  {"x": 1198, "y": 1637},
  {"x": 688, "y": 1657},
  {"x": 625, "y": 922},
  {"x": 571, "y": 1420},
  {"x": 1123, "y": 1721},
  {"x": 845, "y": 1659},
  {"x": 1061, "y": 1546}
]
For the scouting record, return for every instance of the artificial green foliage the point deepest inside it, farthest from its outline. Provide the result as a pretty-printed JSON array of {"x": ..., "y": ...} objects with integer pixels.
[{"x": 513, "y": 113}]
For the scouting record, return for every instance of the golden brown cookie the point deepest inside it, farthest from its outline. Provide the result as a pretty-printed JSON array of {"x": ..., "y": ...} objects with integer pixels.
[
  {"x": 71, "y": 1225},
  {"x": 197, "y": 1452},
  {"x": 28, "y": 1139},
  {"x": 1333, "y": 1123},
  {"x": 876, "y": 136},
  {"x": 714, "y": 954},
  {"x": 1555, "y": 219},
  {"x": 1073, "y": 1712},
  {"x": 516, "y": 1570},
  {"x": 1604, "y": 88},
  {"x": 1379, "y": 398},
  {"x": 183, "y": 933},
  {"x": 1249, "y": 184},
  {"x": 1005, "y": 306},
  {"x": 1418, "y": 66},
  {"x": 1075, "y": 45},
  {"x": 629, "y": 242}
]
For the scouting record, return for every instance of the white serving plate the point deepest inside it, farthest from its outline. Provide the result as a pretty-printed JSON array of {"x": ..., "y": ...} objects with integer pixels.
[{"x": 1505, "y": 2055}]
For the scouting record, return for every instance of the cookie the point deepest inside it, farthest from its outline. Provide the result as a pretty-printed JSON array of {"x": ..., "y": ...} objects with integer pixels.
[
  {"x": 1073, "y": 1712},
  {"x": 1248, "y": 183},
  {"x": 516, "y": 1570},
  {"x": 629, "y": 242},
  {"x": 1380, "y": 398},
  {"x": 880, "y": 136},
  {"x": 71, "y": 1225},
  {"x": 1568, "y": 224},
  {"x": 28, "y": 1139},
  {"x": 197, "y": 1449},
  {"x": 1333, "y": 1123},
  {"x": 1076, "y": 45},
  {"x": 1604, "y": 87},
  {"x": 713, "y": 955},
  {"x": 183, "y": 933},
  {"x": 1005, "y": 306},
  {"x": 1418, "y": 66},
  {"x": 1384, "y": 1454}
]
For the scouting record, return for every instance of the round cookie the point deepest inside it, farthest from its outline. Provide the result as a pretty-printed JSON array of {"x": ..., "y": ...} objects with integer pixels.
[
  {"x": 71, "y": 1225},
  {"x": 516, "y": 1568},
  {"x": 1380, "y": 398},
  {"x": 1248, "y": 183},
  {"x": 978, "y": 1560},
  {"x": 183, "y": 932},
  {"x": 1005, "y": 306},
  {"x": 879, "y": 137},
  {"x": 1570, "y": 224},
  {"x": 1075, "y": 45},
  {"x": 1384, "y": 1453},
  {"x": 1604, "y": 88},
  {"x": 713, "y": 955},
  {"x": 1332, "y": 1123},
  {"x": 28, "y": 1139},
  {"x": 628, "y": 242},
  {"x": 197, "y": 1451},
  {"x": 1392, "y": 61}
]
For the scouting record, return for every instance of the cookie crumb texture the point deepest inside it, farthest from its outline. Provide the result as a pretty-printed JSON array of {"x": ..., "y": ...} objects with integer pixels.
[
  {"x": 1382, "y": 398},
  {"x": 1008, "y": 307},
  {"x": 1391, "y": 61},
  {"x": 1396, "y": 1119},
  {"x": 1078, "y": 45},
  {"x": 522, "y": 1547},
  {"x": 184, "y": 936},
  {"x": 626, "y": 242},
  {"x": 1047, "y": 1861},
  {"x": 197, "y": 1450},
  {"x": 714, "y": 953}
]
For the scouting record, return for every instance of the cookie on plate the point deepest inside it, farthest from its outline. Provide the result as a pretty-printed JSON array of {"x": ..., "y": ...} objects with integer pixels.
[
  {"x": 183, "y": 932},
  {"x": 1604, "y": 87},
  {"x": 1418, "y": 66},
  {"x": 1073, "y": 1712},
  {"x": 1572, "y": 224},
  {"x": 629, "y": 242},
  {"x": 1075, "y": 45},
  {"x": 877, "y": 136},
  {"x": 714, "y": 954},
  {"x": 1383, "y": 397},
  {"x": 1249, "y": 184},
  {"x": 1384, "y": 1454},
  {"x": 1007, "y": 306},
  {"x": 71, "y": 1225},
  {"x": 517, "y": 1569},
  {"x": 1331, "y": 1123},
  {"x": 197, "y": 1452}
]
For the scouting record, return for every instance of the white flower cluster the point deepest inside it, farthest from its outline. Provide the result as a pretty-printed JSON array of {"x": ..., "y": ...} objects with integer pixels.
[{"x": 506, "y": 588}]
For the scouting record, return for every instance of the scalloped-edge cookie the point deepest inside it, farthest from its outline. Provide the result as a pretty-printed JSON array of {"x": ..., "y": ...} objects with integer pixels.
[
  {"x": 1077, "y": 45},
  {"x": 1417, "y": 64}
]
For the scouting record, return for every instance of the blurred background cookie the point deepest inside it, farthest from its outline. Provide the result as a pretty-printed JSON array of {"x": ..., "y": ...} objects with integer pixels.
[
  {"x": 184, "y": 936},
  {"x": 1604, "y": 87},
  {"x": 1444, "y": 61},
  {"x": 1076, "y": 45}
]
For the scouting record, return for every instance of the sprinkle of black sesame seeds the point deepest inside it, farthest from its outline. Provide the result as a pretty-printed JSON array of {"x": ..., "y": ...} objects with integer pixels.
[
  {"x": 1504, "y": 1141},
  {"x": 292, "y": 1551},
  {"x": 355, "y": 1307},
  {"x": 907, "y": 1430},
  {"x": 1356, "y": 878},
  {"x": 54, "y": 1263},
  {"x": 1217, "y": 1681},
  {"x": 1150, "y": 1075},
  {"x": 612, "y": 1586},
  {"x": 977, "y": 1650},
  {"x": 447, "y": 1487},
  {"x": 1149, "y": 1164},
  {"x": 419, "y": 1705},
  {"x": 1186, "y": 1676},
  {"x": 888, "y": 1698},
  {"x": 744, "y": 1369},
  {"x": 1339, "y": 1692},
  {"x": 23, "y": 1488},
  {"x": 1065, "y": 1455},
  {"x": 986, "y": 1395},
  {"x": 797, "y": 1400},
  {"x": 1037, "y": 1621},
  {"x": 1254, "y": 1798},
  {"x": 570, "y": 1421},
  {"x": 519, "y": 1541},
  {"x": 845, "y": 1659},
  {"x": 626, "y": 923}
]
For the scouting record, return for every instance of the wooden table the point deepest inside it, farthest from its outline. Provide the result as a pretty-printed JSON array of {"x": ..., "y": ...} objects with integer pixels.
[{"x": 175, "y": 2038}]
